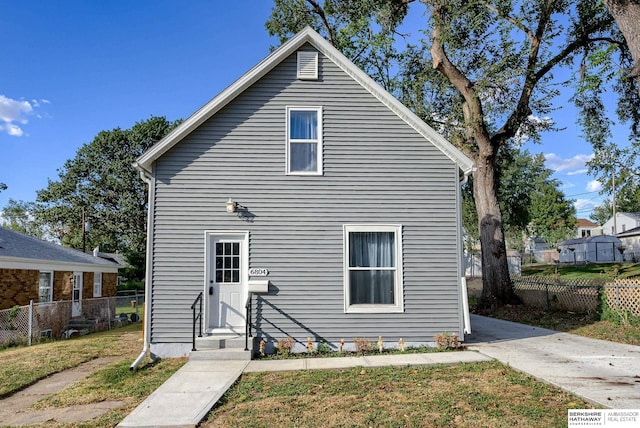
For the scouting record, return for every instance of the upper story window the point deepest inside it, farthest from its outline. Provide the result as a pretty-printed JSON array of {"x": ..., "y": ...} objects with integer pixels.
[{"x": 304, "y": 140}]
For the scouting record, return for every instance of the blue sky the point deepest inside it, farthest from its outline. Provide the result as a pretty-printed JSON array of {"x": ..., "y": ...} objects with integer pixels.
[{"x": 70, "y": 69}]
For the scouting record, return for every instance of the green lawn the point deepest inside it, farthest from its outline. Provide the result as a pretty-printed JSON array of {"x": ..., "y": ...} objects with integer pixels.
[
  {"x": 464, "y": 395},
  {"x": 592, "y": 270}
]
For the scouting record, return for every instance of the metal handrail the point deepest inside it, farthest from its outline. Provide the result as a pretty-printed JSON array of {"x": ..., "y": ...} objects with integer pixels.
[
  {"x": 196, "y": 317},
  {"x": 247, "y": 325}
]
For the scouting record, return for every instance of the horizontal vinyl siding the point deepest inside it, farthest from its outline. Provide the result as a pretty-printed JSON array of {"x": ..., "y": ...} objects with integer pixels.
[{"x": 376, "y": 170}]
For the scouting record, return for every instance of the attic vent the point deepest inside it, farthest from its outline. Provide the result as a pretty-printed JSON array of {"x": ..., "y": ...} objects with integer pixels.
[{"x": 308, "y": 65}]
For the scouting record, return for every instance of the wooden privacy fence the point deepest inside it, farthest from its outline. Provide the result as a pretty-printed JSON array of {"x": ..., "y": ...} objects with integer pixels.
[{"x": 578, "y": 295}]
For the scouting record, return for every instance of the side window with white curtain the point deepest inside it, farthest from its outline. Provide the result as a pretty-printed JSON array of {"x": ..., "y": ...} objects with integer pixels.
[
  {"x": 304, "y": 140},
  {"x": 373, "y": 268},
  {"x": 45, "y": 287},
  {"x": 97, "y": 284}
]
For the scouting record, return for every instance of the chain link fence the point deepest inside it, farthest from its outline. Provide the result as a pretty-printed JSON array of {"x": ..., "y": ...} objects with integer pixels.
[
  {"x": 578, "y": 295},
  {"x": 44, "y": 321}
]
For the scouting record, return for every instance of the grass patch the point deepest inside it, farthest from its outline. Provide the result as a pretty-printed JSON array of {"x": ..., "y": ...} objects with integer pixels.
[
  {"x": 115, "y": 382},
  {"x": 587, "y": 325},
  {"x": 21, "y": 367},
  {"x": 480, "y": 394},
  {"x": 591, "y": 270}
]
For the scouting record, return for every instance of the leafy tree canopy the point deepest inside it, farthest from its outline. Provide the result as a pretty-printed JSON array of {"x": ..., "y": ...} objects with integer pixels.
[
  {"x": 617, "y": 169},
  {"x": 17, "y": 215},
  {"x": 101, "y": 181},
  {"x": 484, "y": 75},
  {"x": 531, "y": 201}
]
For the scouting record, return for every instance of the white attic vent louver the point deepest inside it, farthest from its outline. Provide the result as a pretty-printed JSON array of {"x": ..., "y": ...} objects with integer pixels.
[{"x": 308, "y": 65}]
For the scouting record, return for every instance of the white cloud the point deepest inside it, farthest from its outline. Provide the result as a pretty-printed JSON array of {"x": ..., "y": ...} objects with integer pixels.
[
  {"x": 14, "y": 130},
  {"x": 578, "y": 172},
  {"x": 594, "y": 186},
  {"x": 571, "y": 165},
  {"x": 14, "y": 113}
]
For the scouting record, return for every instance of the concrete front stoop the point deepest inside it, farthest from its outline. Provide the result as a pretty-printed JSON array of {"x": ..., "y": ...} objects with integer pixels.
[{"x": 221, "y": 347}]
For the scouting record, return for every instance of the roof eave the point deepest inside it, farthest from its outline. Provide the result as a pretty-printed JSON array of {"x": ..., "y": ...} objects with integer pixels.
[
  {"x": 145, "y": 161},
  {"x": 308, "y": 35}
]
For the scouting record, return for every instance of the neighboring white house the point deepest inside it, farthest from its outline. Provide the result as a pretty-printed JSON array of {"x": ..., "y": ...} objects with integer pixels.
[
  {"x": 624, "y": 222},
  {"x": 631, "y": 244},
  {"x": 587, "y": 228},
  {"x": 595, "y": 249}
]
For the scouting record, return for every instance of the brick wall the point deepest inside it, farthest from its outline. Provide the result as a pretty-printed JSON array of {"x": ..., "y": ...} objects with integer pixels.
[
  {"x": 18, "y": 287},
  {"x": 109, "y": 284},
  {"x": 62, "y": 285}
]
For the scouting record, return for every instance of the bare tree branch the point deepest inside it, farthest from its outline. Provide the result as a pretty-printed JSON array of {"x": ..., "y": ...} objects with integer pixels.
[{"x": 320, "y": 12}]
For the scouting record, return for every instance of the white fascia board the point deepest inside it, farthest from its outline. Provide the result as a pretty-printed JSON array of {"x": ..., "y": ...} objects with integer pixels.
[
  {"x": 223, "y": 98},
  {"x": 50, "y": 265},
  {"x": 276, "y": 57},
  {"x": 453, "y": 153}
]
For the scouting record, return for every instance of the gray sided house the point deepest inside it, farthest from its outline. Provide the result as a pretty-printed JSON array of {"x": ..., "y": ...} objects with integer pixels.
[{"x": 310, "y": 190}]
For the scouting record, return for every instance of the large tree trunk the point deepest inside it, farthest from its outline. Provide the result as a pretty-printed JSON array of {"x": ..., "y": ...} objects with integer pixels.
[
  {"x": 627, "y": 16},
  {"x": 497, "y": 288}
]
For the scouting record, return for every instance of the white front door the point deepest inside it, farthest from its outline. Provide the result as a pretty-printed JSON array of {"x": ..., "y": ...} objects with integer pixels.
[
  {"x": 226, "y": 282},
  {"x": 76, "y": 295}
]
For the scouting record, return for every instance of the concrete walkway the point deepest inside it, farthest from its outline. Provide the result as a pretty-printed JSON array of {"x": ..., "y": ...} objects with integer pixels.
[
  {"x": 186, "y": 397},
  {"x": 604, "y": 373}
]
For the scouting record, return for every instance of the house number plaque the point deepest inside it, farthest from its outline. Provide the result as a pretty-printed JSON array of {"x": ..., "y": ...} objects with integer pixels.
[{"x": 258, "y": 272}]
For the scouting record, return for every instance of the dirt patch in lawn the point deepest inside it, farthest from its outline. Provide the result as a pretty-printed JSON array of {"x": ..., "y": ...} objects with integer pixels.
[{"x": 16, "y": 409}]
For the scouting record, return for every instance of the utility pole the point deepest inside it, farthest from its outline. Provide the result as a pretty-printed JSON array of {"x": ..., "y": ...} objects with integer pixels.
[
  {"x": 84, "y": 230},
  {"x": 613, "y": 191}
]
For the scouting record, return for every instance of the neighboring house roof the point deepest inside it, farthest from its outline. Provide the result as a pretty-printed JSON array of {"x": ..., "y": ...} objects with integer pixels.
[
  {"x": 583, "y": 222},
  {"x": 588, "y": 239},
  {"x": 114, "y": 257},
  {"x": 631, "y": 232},
  {"x": 635, "y": 216},
  {"x": 20, "y": 251},
  {"x": 308, "y": 35}
]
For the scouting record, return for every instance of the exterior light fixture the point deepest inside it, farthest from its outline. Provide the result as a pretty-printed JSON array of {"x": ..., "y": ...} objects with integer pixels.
[{"x": 232, "y": 206}]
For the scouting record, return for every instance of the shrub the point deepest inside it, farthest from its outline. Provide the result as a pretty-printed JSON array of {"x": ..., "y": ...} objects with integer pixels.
[
  {"x": 362, "y": 344},
  {"x": 447, "y": 341},
  {"x": 285, "y": 345}
]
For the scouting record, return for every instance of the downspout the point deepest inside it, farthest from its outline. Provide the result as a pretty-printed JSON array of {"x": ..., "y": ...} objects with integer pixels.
[
  {"x": 146, "y": 177},
  {"x": 466, "y": 325}
]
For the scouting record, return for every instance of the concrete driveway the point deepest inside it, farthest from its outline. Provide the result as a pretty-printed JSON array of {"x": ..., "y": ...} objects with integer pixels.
[{"x": 604, "y": 373}]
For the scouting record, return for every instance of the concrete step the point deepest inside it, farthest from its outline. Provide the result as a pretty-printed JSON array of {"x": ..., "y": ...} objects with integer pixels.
[
  {"x": 228, "y": 354},
  {"x": 211, "y": 342}
]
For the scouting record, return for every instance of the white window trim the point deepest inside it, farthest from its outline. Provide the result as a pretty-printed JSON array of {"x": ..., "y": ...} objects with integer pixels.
[
  {"x": 318, "y": 110},
  {"x": 50, "y": 285},
  {"x": 398, "y": 306},
  {"x": 97, "y": 275}
]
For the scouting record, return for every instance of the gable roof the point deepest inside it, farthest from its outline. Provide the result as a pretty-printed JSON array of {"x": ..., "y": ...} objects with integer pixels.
[
  {"x": 308, "y": 35},
  {"x": 635, "y": 216},
  {"x": 583, "y": 222},
  {"x": 588, "y": 239},
  {"x": 631, "y": 232},
  {"x": 16, "y": 249}
]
